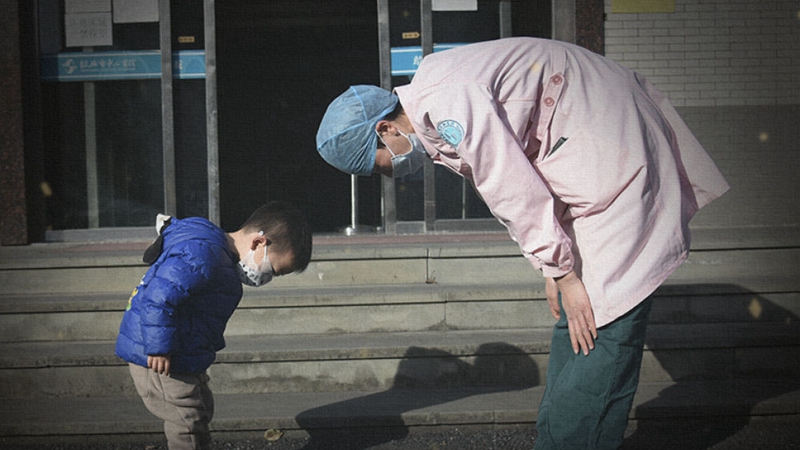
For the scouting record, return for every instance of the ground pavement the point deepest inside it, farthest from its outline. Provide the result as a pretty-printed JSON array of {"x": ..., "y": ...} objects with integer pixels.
[{"x": 685, "y": 435}]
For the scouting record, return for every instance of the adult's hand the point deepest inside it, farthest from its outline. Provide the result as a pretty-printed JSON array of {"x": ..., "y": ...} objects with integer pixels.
[
  {"x": 577, "y": 306},
  {"x": 159, "y": 363},
  {"x": 551, "y": 292}
]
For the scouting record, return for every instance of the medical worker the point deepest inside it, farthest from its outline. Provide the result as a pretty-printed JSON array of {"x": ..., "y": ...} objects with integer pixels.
[{"x": 588, "y": 166}]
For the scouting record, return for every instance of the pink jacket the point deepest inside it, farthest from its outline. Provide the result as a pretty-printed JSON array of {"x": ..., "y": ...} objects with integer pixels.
[{"x": 588, "y": 165}]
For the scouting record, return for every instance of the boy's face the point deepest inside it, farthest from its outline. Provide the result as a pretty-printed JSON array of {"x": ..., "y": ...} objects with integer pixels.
[{"x": 282, "y": 262}]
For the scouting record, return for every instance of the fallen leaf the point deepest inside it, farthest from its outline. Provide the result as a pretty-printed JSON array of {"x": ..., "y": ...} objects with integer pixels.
[{"x": 273, "y": 434}]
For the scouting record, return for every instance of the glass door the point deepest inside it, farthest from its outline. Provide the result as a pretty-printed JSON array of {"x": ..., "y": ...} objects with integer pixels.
[
  {"x": 436, "y": 199},
  {"x": 114, "y": 74}
]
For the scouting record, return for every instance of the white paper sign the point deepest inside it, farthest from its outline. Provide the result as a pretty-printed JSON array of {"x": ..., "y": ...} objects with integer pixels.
[
  {"x": 454, "y": 5},
  {"x": 129, "y": 11},
  {"x": 85, "y": 6},
  {"x": 88, "y": 29}
]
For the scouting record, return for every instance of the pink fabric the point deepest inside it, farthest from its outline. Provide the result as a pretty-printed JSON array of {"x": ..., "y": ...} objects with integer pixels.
[{"x": 612, "y": 202}]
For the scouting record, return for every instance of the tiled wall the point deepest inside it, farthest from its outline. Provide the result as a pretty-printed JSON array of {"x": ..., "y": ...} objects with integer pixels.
[
  {"x": 732, "y": 69},
  {"x": 713, "y": 52}
]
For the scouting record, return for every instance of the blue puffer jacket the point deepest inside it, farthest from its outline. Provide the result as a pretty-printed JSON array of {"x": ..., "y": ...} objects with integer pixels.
[{"x": 184, "y": 301}]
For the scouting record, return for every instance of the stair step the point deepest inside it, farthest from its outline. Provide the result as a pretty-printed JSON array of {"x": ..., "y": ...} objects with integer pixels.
[
  {"x": 345, "y": 346},
  {"x": 358, "y": 361},
  {"x": 383, "y": 308},
  {"x": 72, "y": 270},
  {"x": 295, "y": 311},
  {"x": 395, "y": 331},
  {"x": 403, "y": 408}
]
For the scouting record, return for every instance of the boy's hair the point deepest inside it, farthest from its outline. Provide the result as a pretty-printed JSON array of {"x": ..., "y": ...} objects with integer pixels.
[{"x": 287, "y": 228}]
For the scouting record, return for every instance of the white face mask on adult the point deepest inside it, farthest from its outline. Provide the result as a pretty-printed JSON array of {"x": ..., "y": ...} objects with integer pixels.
[
  {"x": 407, "y": 163},
  {"x": 253, "y": 274}
]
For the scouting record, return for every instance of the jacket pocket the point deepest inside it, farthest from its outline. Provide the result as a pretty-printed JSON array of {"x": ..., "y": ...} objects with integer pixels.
[{"x": 589, "y": 172}]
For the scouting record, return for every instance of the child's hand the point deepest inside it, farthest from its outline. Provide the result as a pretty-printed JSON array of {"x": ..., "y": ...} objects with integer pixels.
[{"x": 159, "y": 363}]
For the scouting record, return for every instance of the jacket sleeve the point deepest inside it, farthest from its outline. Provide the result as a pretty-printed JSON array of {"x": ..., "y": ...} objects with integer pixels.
[
  {"x": 501, "y": 172},
  {"x": 167, "y": 292}
]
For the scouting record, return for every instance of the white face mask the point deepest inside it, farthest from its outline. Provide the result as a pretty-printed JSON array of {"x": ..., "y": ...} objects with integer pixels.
[
  {"x": 253, "y": 274},
  {"x": 408, "y": 163}
]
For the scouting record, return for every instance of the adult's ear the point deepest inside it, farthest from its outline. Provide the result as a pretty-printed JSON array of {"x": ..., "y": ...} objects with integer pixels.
[{"x": 385, "y": 127}]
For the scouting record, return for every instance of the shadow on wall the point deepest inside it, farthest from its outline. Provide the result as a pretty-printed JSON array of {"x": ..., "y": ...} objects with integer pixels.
[
  {"x": 731, "y": 352},
  {"x": 425, "y": 377}
]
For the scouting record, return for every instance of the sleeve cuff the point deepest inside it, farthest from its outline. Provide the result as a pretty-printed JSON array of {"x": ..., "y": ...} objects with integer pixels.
[{"x": 549, "y": 271}]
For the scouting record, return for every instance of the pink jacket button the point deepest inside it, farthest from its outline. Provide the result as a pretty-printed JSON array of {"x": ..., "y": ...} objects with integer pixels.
[{"x": 549, "y": 101}]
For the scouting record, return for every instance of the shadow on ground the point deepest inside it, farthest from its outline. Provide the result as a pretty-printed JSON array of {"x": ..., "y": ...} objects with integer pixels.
[
  {"x": 749, "y": 356},
  {"x": 425, "y": 377},
  {"x": 727, "y": 350}
]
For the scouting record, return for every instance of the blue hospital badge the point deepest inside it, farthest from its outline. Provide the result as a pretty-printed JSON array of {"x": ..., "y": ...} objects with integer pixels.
[{"x": 451, "y": 131}]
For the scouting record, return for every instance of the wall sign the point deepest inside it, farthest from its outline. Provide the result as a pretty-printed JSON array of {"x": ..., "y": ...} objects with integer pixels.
[
  {"x": 405, "y": 60},
  {"x": 642, "y": 6},
  {"x": 86, "y": 6},
  {"x": 454, "y": 5},
  {"x": 87, "y": 29},
  {"x": 126, "y": 65},
  {"x": 131, "y": 11}
]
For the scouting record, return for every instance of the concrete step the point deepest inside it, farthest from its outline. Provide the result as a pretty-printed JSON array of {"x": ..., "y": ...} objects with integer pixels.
[
  {"x": 295, "y": 311},
  {"x": 425, "y": 359},
  {"x": 419, "y": 307},
  {"x": 398, "y": 331},
  {"x": 330, "y": 415},
  {"x": 59, "y": 269}
]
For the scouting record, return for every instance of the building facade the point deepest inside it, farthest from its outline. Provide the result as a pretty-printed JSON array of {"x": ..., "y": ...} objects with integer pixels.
[{"x": 232, "y": 122}]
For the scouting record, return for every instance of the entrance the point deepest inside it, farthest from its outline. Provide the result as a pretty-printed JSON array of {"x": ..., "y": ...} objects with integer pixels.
[
  {"x": 232, "y": 123},
  {"x": 124, "y": 112},
  {"x": 436, "y": 199}
]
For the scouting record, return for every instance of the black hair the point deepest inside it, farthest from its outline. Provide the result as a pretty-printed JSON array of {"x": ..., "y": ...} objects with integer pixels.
[
  {"x": 286, "y": 227},
  {"x": 398, "y": 109}
]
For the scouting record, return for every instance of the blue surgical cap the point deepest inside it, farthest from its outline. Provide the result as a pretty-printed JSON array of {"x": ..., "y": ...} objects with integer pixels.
[{"x": 346, "y": 137}]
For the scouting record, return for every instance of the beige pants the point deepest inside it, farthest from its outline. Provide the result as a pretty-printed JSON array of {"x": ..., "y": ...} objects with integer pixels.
[{"x": 182, "y": 400}]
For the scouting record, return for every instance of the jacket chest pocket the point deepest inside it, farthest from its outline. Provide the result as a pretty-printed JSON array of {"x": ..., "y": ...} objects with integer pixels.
[{"x": 588, "y": 173}]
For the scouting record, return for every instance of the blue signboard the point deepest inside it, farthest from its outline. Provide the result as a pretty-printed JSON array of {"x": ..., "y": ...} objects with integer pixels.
[
  {"x": 123, "y": 65},
  {"x": 189, "y": 64},
  {"x": 405, "y": 60}
]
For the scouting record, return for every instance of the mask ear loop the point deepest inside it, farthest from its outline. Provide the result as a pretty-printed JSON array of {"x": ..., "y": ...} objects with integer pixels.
[
  {"x": 261, "y": 233},
  {"x": 266, "y": 250},
  {"x": 385, "y": 144}
]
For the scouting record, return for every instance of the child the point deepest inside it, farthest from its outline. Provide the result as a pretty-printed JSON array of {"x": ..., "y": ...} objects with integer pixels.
[{"x": 176, "y": 316}]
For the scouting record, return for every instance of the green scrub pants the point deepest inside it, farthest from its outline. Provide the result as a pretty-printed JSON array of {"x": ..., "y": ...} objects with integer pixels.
[{"x": 588, "y": 398}]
